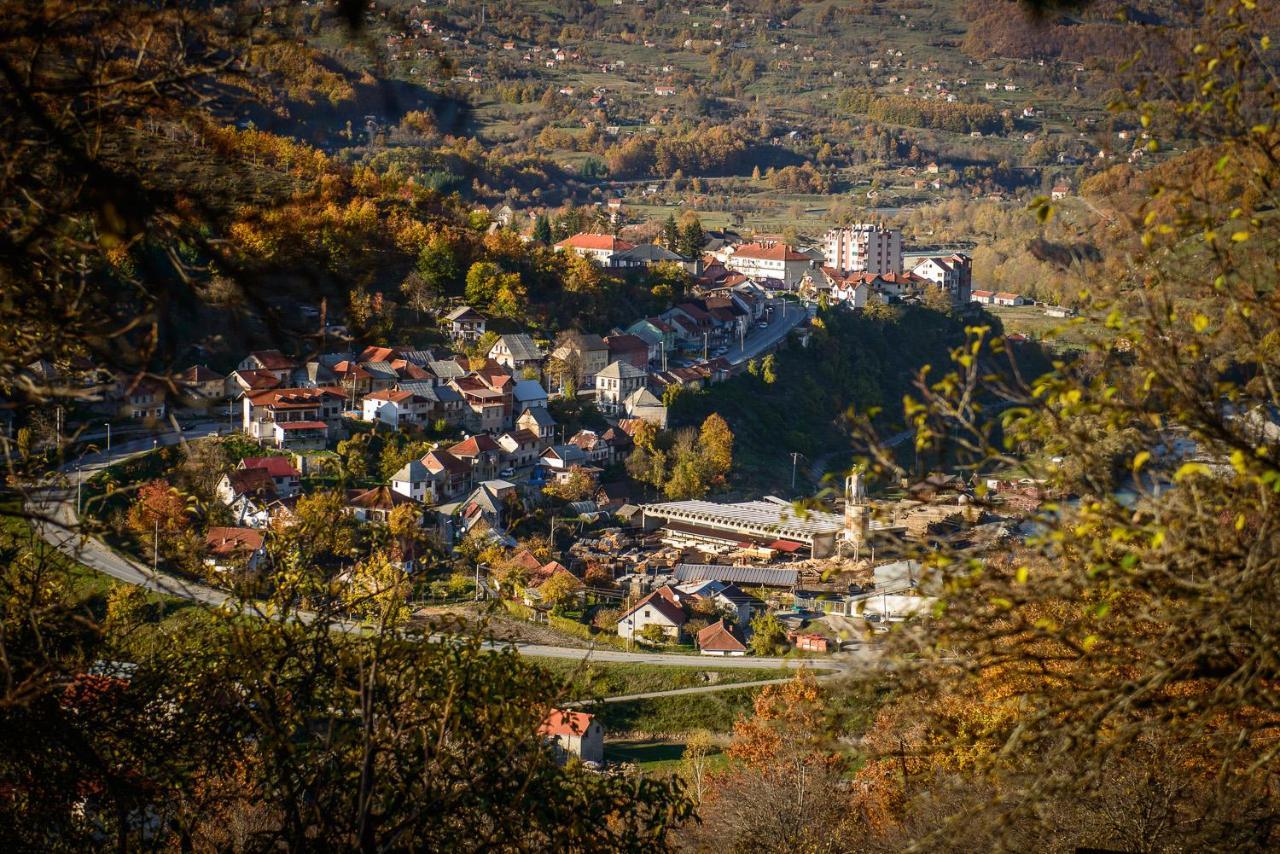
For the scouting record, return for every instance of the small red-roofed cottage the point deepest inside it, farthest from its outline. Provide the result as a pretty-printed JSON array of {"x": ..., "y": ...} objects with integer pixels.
[
  {"x": 719, "y": 638},
  {"x": 576, "y": 733}
]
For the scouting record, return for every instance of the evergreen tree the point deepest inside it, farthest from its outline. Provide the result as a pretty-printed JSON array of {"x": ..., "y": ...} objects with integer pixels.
[
  {"x": 671, "y": 233},
  {"x": 542, "y": 230}
]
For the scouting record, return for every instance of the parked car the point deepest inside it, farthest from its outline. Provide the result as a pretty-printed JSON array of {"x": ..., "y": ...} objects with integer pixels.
[
  {"x": 507, "y": 473},
  {"x": 764, "y": 324}
]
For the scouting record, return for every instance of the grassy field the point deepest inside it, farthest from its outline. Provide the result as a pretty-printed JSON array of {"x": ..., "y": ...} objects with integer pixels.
[
  {"x": 1069, "y": 333},
  {"x": 670, "y": 717},
  {"x": 594, "y": 680},
  {"x": 659, "y": 756}
]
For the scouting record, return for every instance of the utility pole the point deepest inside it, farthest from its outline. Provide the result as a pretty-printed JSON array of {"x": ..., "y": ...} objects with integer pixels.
[
  {"x": 79, "y": 480},
  {"x": 704, "y": 346},
  {"x": 795, "y": 457},
  {"x": 155, "y": 548}
]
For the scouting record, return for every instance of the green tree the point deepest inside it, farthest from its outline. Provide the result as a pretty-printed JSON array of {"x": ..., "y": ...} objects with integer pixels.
[
  {"x": 692, "y": 239},
  {"x": 542, "y": 230},
  {"x": 768, "y": 636}
]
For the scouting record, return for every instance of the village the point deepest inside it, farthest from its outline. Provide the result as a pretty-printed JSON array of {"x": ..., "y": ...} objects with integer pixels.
[{"x": 490, "y": 468}]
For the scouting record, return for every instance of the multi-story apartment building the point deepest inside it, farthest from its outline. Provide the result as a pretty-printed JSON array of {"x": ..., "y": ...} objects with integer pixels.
[{"x": 864, "y": 248}]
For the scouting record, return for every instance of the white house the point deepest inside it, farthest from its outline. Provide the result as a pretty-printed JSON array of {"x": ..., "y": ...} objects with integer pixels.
[
  {"x": 769, "y": 261},
  {"x": 660, "y": 608},
  {"x": 616, "y": 383},
  {"x": 516, "y": 351},
  {"x": 601, "y": 248},
  {"x": 395, "y": 408},
  {"x": 465, "y": 324},
  {"x": 952, "y": 273},
  {"x": 576, "y": 733}
]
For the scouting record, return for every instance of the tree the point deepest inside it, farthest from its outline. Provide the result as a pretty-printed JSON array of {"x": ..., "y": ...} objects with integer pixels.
[
  {"x": 559, "y": 589},
  {"x": 158, "y": 507},
  {"x": 769, "y": 370},
  {"x": 378, "y": 589},
  {"x": 484, "y": 279},
  {"x": 542, "y": 230},
  {"x": 354, "y": 456},
  {"x": 937, "y": 299},
  {"x": 671, "y": 233},
  {"x": 692, "y": 238},
  {"x": 695, "y": 761},
  {"x": 767, "y": 635},
  {"x": 654, "y": 634},
  {"x": 716, "y": 440},
  {"x": 577, "y": 486},
  {"x": 418, "y": 290},
  {"x": 404, "y": 523}
]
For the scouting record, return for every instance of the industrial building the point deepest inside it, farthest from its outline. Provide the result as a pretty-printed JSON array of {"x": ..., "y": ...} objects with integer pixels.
[{"x": 772, "y": 523}]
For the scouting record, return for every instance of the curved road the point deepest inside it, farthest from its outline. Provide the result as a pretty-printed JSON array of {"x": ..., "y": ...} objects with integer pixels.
[{"x": 57, "y": 523}]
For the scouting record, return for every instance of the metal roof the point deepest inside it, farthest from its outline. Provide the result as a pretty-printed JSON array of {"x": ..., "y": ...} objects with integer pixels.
[
  {"x": 765, "y": 576},
  {"x": 752, "y": 516}
]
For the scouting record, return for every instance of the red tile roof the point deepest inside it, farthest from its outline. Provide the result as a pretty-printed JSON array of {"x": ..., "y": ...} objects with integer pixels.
[
  {"x": 229, "y": 541},
  {"x": 662, "y": 601},
  {"x": 273, "y": 360},
  {"x": 719, "y": 637},
  {"x": 199, "y": 374},
  {"x": 273, "y": 466},
  {"x": 595, "y": 241},
  {"x": 561, "y": 722},
  {"x": 774, "y": 252},
  {"x": 475, "y": 446}
]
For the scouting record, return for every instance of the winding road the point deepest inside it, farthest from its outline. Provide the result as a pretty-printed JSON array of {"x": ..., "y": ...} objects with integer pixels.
[{"x": 57, "y": 522}]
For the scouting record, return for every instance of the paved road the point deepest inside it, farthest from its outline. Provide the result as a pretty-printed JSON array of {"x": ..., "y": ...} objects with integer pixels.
[
  {"x": 57, "y": 523},
  {"x": 762, "y": 339}
]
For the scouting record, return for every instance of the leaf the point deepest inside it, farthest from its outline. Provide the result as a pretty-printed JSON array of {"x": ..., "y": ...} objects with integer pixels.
[
  {"x": 1188, "y": 469},
  {"x": 1140, "y": 459}
]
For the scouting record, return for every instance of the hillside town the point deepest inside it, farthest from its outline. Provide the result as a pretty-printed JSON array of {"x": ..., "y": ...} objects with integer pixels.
[{"x": 480, "y": 420}]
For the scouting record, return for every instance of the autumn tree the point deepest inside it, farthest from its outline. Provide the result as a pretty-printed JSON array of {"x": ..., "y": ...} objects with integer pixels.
[
  {"x": 158, "y": 508},
  {"x": 577, "y": 485},
  {"x": 716, "y": 441},
  {"x": 558, "y": 590}
]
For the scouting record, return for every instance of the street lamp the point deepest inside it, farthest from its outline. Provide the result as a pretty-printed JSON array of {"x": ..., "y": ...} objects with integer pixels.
[{"x": 107, "y": 424}]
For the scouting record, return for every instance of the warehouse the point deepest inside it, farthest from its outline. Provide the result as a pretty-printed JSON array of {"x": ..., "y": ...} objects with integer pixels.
[{"x": 771, "y": 522}]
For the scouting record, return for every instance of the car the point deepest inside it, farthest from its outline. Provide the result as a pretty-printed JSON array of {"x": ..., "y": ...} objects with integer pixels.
[
  {"x": 764, "y": 324},
  {"x": 507, "y": 473}
]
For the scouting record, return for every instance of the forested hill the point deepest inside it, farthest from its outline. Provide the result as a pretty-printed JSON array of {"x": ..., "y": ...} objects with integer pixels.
[{"x": 854, "y": 363}]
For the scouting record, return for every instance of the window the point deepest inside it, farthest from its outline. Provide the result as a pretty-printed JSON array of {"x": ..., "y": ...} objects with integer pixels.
[{"x": 646, "y": 613}]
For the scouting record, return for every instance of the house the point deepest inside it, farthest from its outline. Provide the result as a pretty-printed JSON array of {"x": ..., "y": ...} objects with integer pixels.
[
  {"x": 485, "y": 409},
  {"x": 586, "y": 355},
  {"x": 1058, "y": 311},
  {"x": 600, "y": 248},
  {"x": 646, "y": 255},
  {"x": 286, "y": 479},
  {"x": 466, "y": 325},
  {"x": 376, "y": 504},
  {"x": 769, "y": 261},
  {"x": 629, "y": 349},
  {"x": 443, "y": 403},
  {"x": 532, "y": 590},
  {"x": 574, "y": 733},
  {"x": 142, "y": 399},
  {"x": 537, "y": 421},
  {"x": 414, "y": 480},
  {"x": 616, "y": 383},
  {"x": 272, "y": 361},
  {"x": 661, "y": 608},
  {"x": 1060, "y": 191},
  {"x": 201, "y": 386},
  {"x": 528, "y": 394},
  {"x": 659, "y": 335},
  {"x": 231, "y": 549},
  {"x": 952, "y": 273},
  {"x": 520, "y": 448},
  {"x": 247, "y": 493},
  {"x": 515, "y": 352},
  {"x": 293, "y": 417},
  {"x": 980, "y": 296},
  {"x": 561, "y": 458},
  {"x": 243, "y": 382},
  {"x": 395, "y": 408},
  {"x": 720, "y": 638},
  {"x": 642, "y": 404},
  {"x": 598, "y": 451},
  {"x": 1007, "y": 298},
  {"x": 453, "y": 474},
  {"x": 481, "y": 453}
]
